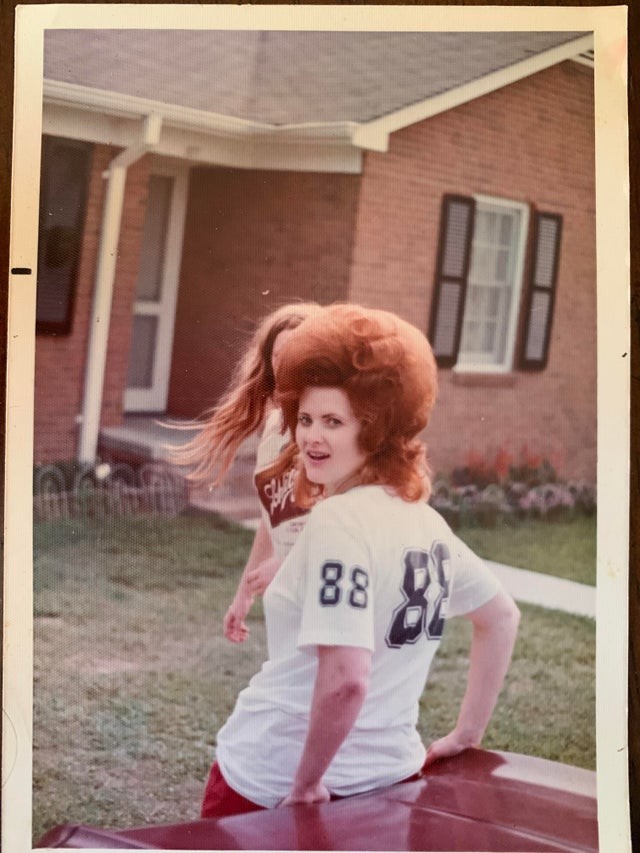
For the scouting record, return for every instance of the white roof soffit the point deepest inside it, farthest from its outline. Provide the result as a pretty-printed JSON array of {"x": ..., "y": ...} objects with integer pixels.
[
  {"x": 199, "y": 136},
  {"x": 187, "y": 118},
  {"x": 375, "y": 134}
]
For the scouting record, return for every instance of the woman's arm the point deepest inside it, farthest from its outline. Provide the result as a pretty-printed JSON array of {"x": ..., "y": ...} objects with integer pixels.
[
  {"x": 234, "y": 626},
  {"x": 495, "y": 626},
  {"x": 341, "y": 685}
]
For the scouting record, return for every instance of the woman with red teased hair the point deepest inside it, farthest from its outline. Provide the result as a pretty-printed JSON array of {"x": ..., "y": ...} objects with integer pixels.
[{"x": 356, "y": 612}]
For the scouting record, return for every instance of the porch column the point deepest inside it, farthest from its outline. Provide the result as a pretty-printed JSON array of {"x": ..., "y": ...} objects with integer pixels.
[{"x": 116, "y": 176}]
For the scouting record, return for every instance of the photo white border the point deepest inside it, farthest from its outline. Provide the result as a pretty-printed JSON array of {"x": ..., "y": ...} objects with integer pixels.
[{"x": 613, "y": 275}]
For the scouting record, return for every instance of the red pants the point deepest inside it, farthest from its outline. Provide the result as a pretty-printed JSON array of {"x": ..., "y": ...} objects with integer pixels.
[{"x": 220, "y": 800}]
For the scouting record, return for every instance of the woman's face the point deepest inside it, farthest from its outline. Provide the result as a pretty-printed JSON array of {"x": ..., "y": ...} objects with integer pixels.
[{"x": 327, "y": 435}]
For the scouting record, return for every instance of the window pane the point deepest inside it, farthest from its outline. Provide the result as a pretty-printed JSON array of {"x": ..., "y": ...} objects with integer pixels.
[
  {"x": 487, "y": 313},
  {"x": 489, "y": 337},
  {"x": 149, "y": 282},
  {"x": 63, "y": 192},
  {"x": 506, "y": 230},
  {"x": 502, "y": 265},
  {"x": 142, "y": 352}
]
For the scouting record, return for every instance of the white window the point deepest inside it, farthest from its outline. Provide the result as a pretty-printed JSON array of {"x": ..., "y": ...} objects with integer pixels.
[{"x": 494, "y": 285}]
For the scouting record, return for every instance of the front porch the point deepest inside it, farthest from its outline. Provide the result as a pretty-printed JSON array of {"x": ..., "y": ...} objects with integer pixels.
[{"x": 149, "y": 438}]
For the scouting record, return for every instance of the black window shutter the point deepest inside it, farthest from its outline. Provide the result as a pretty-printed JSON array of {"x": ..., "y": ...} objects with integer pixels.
[
  {"x": 542, "y": 291},
  {"x": 452, "y": 270},
  {"x": 65, "y": 171}
]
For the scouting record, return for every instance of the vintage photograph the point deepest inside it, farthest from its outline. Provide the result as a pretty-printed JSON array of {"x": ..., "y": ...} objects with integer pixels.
[{"x": 315, "y": 451}]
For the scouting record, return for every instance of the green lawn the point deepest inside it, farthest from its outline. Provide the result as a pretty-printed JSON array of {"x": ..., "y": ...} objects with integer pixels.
[
  {"x": 133, "y": 677},
  {"x": 566, "y": 549}
]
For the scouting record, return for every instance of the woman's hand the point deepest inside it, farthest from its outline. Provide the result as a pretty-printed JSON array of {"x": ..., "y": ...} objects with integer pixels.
[
  {"x": 447, "y": 746},
  {"x": 495, "y": 625},
  {"x": 234, "y": 627},
  {"x": 258, "y": 579},
  {"x": 316, "y": 794}
]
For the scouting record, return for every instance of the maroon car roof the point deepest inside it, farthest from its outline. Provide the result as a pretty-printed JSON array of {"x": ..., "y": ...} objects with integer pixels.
[{"x": 480, "y": 801}]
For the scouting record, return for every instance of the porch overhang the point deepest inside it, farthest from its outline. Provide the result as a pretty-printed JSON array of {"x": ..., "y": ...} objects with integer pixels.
[{"x": 110, "y": 118}]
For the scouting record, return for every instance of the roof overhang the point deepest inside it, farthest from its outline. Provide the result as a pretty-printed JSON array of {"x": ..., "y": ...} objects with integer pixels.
[
  {"x": 199, "y": 136},
  {"x": 374, "y": 135}
]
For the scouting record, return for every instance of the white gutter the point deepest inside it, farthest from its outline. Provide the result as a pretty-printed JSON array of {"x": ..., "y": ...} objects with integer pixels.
[
  {"x": 116, "y": 176},
  {"x": 374, "y": 135},
  {"x": 188, "y": 118}
]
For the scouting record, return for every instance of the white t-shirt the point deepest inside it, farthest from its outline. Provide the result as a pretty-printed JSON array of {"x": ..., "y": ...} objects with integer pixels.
[
  {"x": 283, "y": 518},
  {"x": 369, "y": 570}
]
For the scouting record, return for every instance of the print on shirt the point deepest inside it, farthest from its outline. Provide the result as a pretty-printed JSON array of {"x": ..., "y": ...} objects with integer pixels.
[
  {"x": 425, "y": 589},
  {"x": 275, "y": 488},
  {"x": 330, "y": 588},
  {"x": 330, "y": 592}
]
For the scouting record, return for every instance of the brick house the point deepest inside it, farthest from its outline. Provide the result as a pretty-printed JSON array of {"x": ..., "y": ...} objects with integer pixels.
[{"x": 194, "y": 180}]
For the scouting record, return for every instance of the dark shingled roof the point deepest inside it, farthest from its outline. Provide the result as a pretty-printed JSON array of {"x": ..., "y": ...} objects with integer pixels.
[{"x": 285, "y": 77}]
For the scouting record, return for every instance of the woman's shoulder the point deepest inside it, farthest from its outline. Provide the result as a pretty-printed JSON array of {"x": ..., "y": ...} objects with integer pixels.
[{"x": 366, "y": 502}]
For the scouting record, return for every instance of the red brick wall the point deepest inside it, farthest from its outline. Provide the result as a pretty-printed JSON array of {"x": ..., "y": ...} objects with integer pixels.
[
  {"x": 533, "y": 142},
  {"x": 253, "y": 241},
  {"x": 60, "y": 359}
]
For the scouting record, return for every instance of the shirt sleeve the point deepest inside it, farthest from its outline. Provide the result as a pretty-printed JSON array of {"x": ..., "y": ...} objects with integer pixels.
[
  {"x": 472, "y": 581},
  {"x": 337, "y": 588}
]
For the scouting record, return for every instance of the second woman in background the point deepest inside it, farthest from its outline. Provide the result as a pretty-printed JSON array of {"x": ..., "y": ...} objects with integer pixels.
[{"x": 248, "y": 406}]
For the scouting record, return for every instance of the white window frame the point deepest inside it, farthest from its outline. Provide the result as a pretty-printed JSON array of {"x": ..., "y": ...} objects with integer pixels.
[{"x": 467, "y": 365}]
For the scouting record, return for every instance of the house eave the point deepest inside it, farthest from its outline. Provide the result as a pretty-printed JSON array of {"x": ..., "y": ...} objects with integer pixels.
[
  {"x": 197, "y": 136},
  {"x": 203, "y": 136},
  {"x": 174, "y": 115},
  {"x": 374, "y": 135}
]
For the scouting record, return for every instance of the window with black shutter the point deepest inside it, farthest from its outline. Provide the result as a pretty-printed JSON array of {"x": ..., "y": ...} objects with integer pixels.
[
  {"x": 478, "y": 290},
  {"x": 63, "y": 194}
]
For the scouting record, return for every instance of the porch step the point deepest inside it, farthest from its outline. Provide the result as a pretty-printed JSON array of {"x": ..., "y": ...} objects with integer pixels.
[
  {"x": 149, "y": 438},
  {"x": 146, "y": 438}
]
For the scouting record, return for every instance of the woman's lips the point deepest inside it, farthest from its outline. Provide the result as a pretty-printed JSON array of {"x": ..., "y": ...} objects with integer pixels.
[{"x": 316, "y": 457}]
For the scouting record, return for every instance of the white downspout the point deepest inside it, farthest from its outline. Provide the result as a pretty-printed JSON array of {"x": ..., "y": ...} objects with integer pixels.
[{"x": 116, "y": 175}]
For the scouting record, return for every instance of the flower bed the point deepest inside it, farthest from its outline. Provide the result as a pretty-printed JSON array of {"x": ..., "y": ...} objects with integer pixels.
[{"x": 486, "y": 492}]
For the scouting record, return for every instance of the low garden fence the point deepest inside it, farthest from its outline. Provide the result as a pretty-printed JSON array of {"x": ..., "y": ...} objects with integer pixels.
[{"x": 64, "y": 492}]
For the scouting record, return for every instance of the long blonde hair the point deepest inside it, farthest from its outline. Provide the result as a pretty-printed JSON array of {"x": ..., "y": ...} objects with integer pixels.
[{"x": 241, "y": 411}]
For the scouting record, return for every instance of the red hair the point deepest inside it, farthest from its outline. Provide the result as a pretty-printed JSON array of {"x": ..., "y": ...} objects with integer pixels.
[
  {"x": 387, "y": 369},
  {"x": 242, "y": 409}
]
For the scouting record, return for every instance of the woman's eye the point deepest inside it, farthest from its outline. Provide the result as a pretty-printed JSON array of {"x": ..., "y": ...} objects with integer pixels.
[
  {"x": 304, "y": 420},
  {"x": 334, "y": 422}
]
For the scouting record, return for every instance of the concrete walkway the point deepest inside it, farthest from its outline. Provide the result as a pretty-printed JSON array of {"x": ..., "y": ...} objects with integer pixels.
[{"x": 547, "y": 590}]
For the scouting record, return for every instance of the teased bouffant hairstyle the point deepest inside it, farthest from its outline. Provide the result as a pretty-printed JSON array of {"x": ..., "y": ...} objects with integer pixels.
[
  {"x": 241, "y": 411},
  {"x": 387, "y": 369}
]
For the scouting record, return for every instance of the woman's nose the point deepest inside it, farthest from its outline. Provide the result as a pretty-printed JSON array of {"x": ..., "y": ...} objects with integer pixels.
[{"x": 314, "y": 432}]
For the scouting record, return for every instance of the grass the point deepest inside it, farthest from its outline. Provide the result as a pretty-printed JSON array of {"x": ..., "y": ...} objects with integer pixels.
[
  {"x": 133, "y": 677},
  {"x": 566, "y": 549}
]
